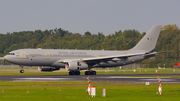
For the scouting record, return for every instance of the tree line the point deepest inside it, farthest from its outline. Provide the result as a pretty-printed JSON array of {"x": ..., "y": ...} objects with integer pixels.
[{"x": 169, "y": 39}]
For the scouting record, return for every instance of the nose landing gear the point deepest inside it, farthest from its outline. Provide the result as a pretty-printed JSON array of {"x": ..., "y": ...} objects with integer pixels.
[{"x": 21, "y": 71}]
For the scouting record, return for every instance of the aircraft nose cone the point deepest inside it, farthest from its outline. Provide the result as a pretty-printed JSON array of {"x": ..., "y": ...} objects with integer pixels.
[
  {"x": 6, "y": 57},
  {"x": 9, "y": 58}
]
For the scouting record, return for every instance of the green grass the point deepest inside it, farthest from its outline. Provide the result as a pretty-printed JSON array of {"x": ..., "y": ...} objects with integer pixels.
[
  {"x": 15, "y": 71},
  {"x": 34, "y": 71},
  {"x": 54, "y": 83},
  {"x": 140, "y": 71},
  {"x": 78, "y": 93}
]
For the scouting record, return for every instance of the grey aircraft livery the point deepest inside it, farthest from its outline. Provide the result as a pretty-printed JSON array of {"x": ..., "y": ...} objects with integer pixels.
[{"x": 76, "y": 60}]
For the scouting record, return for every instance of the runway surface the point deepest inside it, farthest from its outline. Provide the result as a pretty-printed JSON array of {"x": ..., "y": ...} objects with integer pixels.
[{"x": 98, "y": 78}]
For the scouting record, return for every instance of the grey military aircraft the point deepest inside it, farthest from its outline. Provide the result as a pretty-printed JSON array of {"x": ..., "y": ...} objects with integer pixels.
[{"x": 76, "y": 60}]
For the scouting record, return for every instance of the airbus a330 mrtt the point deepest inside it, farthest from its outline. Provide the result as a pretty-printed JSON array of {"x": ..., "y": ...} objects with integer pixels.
[{"x": 76, "y": 60}]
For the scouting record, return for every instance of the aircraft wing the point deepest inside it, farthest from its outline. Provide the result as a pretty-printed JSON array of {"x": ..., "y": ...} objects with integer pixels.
[
  {"x": 111, "y": 57},
  {"x": 103, "y": 59},
  {"x": 96, "y": 60}
]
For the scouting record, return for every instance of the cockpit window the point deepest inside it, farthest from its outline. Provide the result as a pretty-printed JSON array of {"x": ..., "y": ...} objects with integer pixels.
[{"x": 11, "y": 53}]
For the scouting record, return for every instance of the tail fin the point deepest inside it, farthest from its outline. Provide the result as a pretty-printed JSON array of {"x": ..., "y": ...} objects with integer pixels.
[{"x": 148, "y": 42}]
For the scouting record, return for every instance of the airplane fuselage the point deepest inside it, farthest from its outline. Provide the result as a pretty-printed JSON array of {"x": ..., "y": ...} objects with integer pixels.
[{"x": 50, "y": 57}]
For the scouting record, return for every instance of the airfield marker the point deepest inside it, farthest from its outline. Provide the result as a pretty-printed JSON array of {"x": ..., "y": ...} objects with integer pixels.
[
  {"x": 157, "y": 93},
  {"x": 2, "y": 91},
  {"x": 27, "y": 92},
  {"x": 103, "y": 92},
  {"x": 88, "y": 88},
  {"x": 88, "y": 91},
  {"x": 147, "y": 83},
  {"x": 93, "y": 91},
  {"x": 160, "y": 87}
]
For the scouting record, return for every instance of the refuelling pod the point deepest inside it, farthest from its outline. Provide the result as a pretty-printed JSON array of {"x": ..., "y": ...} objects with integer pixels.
[
  {"x": 73, "y": 66},
  {"x": 47, "y": 69}
]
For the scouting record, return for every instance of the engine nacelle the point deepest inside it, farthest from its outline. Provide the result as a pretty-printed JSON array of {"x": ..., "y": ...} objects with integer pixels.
[
  {"x": 72, "y": 66},
  {"x": 47, "y": 69}
]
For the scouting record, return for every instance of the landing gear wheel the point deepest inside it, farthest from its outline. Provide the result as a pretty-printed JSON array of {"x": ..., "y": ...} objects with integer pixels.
[
  {"x": 74, "y": 73},
  {"x": 90, "y": 72},
  {"x": 77, "y": 73},
  {"x": 21, "y": 71},
  {"x": 71, "y": 73},
  {"x": 87, "y": 73},
  {"x": 93, "y": 73}
]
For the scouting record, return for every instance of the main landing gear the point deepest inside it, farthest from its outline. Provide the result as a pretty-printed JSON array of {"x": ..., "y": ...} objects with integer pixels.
[
  {"x": 74, "y": 73},
  {"x": 21, "y": 71},
  {"x": 90, "y": 72},
  {"x": 86, "y": 73}
]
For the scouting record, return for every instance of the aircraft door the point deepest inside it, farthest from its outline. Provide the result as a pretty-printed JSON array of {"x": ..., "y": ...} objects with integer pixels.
[
  {"x": 47, "y": 55},
  {"x": 23, "y": 54}
]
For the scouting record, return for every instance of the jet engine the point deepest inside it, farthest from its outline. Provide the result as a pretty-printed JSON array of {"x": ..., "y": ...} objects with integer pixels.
[
  {"x": 73, "y": 66},
  {"x": 47, "y": 69}
]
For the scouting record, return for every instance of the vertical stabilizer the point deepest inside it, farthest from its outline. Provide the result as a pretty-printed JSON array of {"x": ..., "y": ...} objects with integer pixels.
[{"x": 148, "y": 42}]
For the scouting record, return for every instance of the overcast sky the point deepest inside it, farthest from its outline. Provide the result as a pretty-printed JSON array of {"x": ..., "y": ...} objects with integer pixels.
[{"x": 79, "y": 16}]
